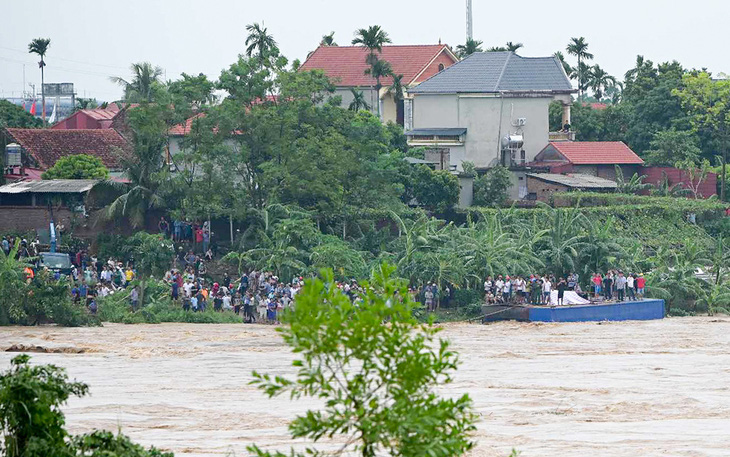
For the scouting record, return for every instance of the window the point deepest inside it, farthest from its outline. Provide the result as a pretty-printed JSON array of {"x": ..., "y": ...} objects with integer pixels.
[{"x": 441, "y": 67}]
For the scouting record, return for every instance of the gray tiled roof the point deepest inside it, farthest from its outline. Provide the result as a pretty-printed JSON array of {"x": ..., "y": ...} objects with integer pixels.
[
  {"x": 485, "y": 72},
  {"x": 66, "y": 186}
]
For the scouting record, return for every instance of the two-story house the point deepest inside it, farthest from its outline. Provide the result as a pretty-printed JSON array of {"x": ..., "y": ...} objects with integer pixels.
[{"x": 490, "y": 108}]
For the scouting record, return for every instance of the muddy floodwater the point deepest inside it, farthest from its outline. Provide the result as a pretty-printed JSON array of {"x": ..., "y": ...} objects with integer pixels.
[{"x": 656, "y": 388}]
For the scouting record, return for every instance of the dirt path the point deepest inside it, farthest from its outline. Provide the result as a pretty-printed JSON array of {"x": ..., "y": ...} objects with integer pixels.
[{"x": 658, "y": 388}]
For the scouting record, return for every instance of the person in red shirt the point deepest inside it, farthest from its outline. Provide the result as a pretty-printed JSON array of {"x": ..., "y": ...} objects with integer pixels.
[
  {"x": 640, "y": 284},
  {"x": 597, "y": 281},
  {"x": 198, "y": 236}
]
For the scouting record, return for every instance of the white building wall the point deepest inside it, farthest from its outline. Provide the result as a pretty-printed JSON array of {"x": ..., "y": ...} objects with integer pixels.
[{"x": 481, "y": 115}]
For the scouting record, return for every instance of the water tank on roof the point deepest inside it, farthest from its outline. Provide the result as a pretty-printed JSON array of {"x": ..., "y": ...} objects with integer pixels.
[
  {"x": 512, "y": 142},
  {"x": 12, "y": 155}
]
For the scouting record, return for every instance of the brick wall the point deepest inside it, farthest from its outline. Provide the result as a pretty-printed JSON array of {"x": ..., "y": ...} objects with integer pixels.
[{"x": 543, "y": 190}]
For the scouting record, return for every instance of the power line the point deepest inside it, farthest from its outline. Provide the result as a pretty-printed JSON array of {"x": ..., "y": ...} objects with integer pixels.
[
  {"x": 69, "y": 70},
  {"x": 70, "y": 60}
]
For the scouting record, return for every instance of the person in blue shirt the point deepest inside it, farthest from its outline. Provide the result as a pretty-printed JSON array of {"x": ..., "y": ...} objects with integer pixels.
[
  {"x": 83, "y": 290},
  {"x": 75, "y": 294}
]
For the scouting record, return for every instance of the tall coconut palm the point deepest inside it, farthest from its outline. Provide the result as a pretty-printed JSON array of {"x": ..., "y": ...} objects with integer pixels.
[
  {"x": 358, "y": 101},
  {"x": 513, "y": 47},
  {"x": 579, "y": 47},
  {"x": 328, "y": 40},
  {"x": 40, "y": 46},
  {"x": 141, "y": 88},
  {"x": 373, "y": 38},
  {"x": 259, "y": 42},
  {"x": 379, "y": 69},
  {"x": 600, "y": 81},
  {"x": 470, "y": 47}
]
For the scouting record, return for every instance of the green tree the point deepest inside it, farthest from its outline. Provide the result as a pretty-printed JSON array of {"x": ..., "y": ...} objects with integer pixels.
[
  {"x": 143, "y": 167},
  {"x": 600, "y": 81},
  {"x": 563, "y": 242},
  {"x": 85, "y": 103},
  {"x": 377, "y": 381},
  {"x": 437, "y": 190},
  {"x": 358, "y": 101},
  {"x": 696, "y": 174},
  {"x": 566, "y": 66},
  {"x": 379, "y": 69},
  {"x": 39, "y": 46},
  {"x": 670, "y": 146},
  {"x": 153, "y": 254},
  {"x": 30, "y": 416},
  {"x": 77, "y": 166},
  {"x": 260, "y": 43},
  {"x": 328, "y": 40},
  {"x": 470, "y": 47},
  {"x": 513, "y": 47},
  {"x": 373, "y": 38},
  {"x": 490, "y": 189},
  {"x": 708, "y": 104},
  {"x": 194, "y": 91},
  {"x": 579, "y": 47},
  {"x": 145, "y": 83},
  {"x": 12, "y": 115}
]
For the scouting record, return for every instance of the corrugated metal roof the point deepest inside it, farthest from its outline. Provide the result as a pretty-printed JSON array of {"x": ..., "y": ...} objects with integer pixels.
[
  {"x": 576, "y": 180},
  {"x": 65, "y": 186},
  {"x": 415, "y": 161},
  {"x": 492, "y": 72},
  {"x": 437, "y": 132}
]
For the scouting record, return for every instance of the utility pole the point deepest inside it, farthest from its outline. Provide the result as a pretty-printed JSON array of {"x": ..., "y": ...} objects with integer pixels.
[{"x": 469, "y": 34}]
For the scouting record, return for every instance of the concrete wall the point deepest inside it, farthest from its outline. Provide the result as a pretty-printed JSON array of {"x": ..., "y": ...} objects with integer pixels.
[
  {"x": 654, "y": 175},
  {"x": 466, "y": 191},
  {"x": 481, "y": 116}
]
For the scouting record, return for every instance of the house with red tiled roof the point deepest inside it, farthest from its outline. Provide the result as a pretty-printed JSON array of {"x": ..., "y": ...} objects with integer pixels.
[
  {"x": 346, "y": 66},
  {"x": 41, "y": 148},
  {"x": 595, "y": 158}
]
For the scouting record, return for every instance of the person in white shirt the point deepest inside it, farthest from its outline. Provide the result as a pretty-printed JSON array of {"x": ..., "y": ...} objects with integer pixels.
[
  {"x": 507, "y": 289},
  {"x": 498, "y": 287},
  {"x": 546, "y": 288},
  {"x": 188, "y": 288}
]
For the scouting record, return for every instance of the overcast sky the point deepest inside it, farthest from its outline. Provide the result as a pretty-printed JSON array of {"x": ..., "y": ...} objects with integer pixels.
[{"x": 93, "y": 39}]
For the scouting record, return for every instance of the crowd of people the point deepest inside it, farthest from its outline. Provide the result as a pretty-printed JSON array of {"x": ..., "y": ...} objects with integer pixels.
[{"x": 537, "y": 289}]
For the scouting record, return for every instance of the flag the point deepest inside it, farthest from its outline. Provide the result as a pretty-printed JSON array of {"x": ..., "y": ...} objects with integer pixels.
[
  {"x": 23, "y": 105},
  {"x": 52, "y": 120},
  {"x": 32, "y": 108}
]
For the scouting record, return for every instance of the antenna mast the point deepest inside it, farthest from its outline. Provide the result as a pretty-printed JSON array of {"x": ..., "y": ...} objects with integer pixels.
[{"x": 469, "y": 35}]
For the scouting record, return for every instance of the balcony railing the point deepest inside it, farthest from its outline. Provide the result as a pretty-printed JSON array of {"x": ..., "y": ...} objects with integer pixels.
[{"x": 561, "y": 136}]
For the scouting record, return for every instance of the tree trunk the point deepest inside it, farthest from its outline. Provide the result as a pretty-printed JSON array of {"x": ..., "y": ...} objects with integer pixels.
[
  {"x": 722, "y": 186},
  {"x": 43, "y": 94}
]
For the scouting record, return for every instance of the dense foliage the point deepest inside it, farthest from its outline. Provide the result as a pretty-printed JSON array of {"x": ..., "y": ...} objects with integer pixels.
[
  {"x": 77, "y": 166},
  {"x": 33, "y": 425},
  {"x": 377, "y": 381},
  {"x": 31, "y": 302},
  {"x": 12, "y": 115}
]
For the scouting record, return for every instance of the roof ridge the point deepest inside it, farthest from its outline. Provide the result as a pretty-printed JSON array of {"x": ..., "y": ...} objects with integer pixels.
[
  {"x": 441, "y": 49},
  {"x": 501, "y": 74}
]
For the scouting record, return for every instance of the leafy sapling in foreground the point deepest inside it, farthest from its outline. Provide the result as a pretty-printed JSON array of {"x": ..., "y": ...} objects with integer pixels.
[{"x": 376, "y": 368}]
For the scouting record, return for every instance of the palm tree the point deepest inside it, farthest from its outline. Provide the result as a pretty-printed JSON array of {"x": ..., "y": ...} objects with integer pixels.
[
  {"x": 600, "y": 81},
  {"x": 632, "y": 185},
  {"x": 379, "y": 69},
  {"x": 259, "y": 42},
  {"x": 563, "y": 241},
  {"x": 497, "y": 49},
  {"x": 40, "y": 46},
  {"x": 579, "y": 47},
  {"x": 566, "y": 66},
  {"x": 513, "y": 47},
  {"x": 396, "y": 89},
  {"x": 141, "y": 88},
  {"x": 358, "y": 101},
  {"x": 373, "y": 38},
  {"x": 470, "y": 47},
  {"x": 328, "y": 40}
]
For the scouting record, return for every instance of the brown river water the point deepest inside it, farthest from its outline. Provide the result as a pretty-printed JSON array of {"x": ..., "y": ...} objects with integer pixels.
[{"x": 628, "y": 389}]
